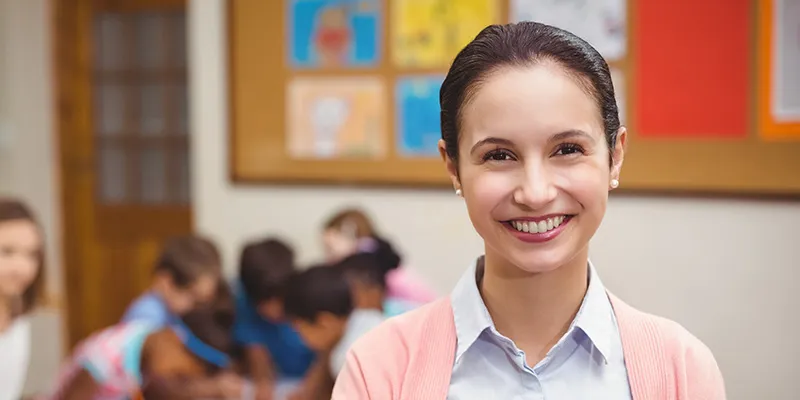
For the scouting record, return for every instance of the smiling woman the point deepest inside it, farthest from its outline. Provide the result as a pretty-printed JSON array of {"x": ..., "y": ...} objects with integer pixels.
[
  {"x": 532, "y": 141},
  {"x": 21, "y": 283}
]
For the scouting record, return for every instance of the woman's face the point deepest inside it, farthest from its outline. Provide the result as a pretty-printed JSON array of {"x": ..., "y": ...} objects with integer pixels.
[
  {"x": 20, "y": 249},
  {"x": 534, "y": 166},
  {"x": 338, "y": 245}
]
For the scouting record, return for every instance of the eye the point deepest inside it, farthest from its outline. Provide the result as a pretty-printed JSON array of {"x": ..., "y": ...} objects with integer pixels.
[
  {"x": 498, "y": 155},
  {"x": 567, "y": 149}
]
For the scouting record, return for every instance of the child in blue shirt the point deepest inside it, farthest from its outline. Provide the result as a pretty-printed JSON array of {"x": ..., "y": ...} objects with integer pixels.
[
  {"x": 332, "y": 307},
  {"x": 272, "y": 348},
  {"x": 185, "y": 276}
]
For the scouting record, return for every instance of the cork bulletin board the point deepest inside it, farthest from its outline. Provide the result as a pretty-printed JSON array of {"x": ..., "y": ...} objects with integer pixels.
[{"x": 346, "y": 91}]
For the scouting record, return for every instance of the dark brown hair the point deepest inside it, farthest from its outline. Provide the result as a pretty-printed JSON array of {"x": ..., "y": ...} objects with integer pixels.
[
  {"x": 316, "y": 290},
  {"x": 353, "y": 220},
  {"x": 186, "y": 258},
  {"x": 15, "y": 210},
  {"x": 519, "y": 45},
  {"x": 213, "y": 323},
  {"x": 264, "y": 267}
]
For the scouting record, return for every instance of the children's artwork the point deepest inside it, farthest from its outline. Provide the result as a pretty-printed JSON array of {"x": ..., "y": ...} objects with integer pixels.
[
  {"x": 618, "y": 78},
  {"x": 602, "y": 23},
  {"x": 336, "y": 118},
  {"x": 418, "y": 126},
  {"x": 334, "y": 33},
  {"x": 786, "y": 53},
  {"x": 429, "y": 33}
]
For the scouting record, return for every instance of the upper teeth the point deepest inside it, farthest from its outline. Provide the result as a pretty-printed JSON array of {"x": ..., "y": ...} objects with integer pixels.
[{"x": 538, "y": 227}]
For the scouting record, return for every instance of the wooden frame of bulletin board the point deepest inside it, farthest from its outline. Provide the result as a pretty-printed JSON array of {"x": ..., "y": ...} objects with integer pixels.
[{"x": 707, "y": 129}]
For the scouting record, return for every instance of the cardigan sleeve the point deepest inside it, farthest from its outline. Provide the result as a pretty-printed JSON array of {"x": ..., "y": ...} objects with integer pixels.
[{"x": 704, "y": 378}]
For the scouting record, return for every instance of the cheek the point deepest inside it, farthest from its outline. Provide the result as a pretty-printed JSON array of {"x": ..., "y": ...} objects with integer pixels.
[
  {"x": 586, "y": 183},
  {"x": 18, "y": 271},
  {"x": 486, "y": 191},
  {"x": 310, "y": 336}
]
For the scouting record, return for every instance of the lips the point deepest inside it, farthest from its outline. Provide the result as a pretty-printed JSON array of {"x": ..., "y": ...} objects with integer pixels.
[
  {"x": 539, "y": 229},
  {"x": 540, "y": 226}
]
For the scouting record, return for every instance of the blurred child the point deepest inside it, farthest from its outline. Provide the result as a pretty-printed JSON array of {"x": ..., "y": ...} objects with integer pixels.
[
  {"x": 272, "y": 348},
  {"x": 21, "y": 284},
  {"x": 332, "y": 307},
  {"x": 185, "y": 276},
  {"x": 173, "y": 362},
  {"x": 350, "y": 231}
]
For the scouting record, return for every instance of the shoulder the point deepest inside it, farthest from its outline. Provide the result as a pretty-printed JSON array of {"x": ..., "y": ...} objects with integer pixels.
[
  {"x": 15, "y": 346},
  {"x": 685, "y": 357},
  {"x": 674, "y": 339},
  {"x": 404, "y": 333},
  {"x": 686, "y": 352},
  {"x": 18, "y": 330},
  {"x": 147, "y": 307},
  {"x": 378, "y": 363}
]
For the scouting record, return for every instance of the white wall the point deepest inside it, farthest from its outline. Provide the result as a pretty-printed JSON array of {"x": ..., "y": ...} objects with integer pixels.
[
  {"x": 28, "y": 154},
  {"x": 725, "y": 269}
]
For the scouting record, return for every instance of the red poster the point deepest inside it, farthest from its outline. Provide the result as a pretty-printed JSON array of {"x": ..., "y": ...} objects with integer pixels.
[{"x": 692, "y": 61}]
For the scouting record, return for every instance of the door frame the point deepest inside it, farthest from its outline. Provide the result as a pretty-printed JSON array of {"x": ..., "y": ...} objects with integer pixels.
[{"x": 72, "y": 30}]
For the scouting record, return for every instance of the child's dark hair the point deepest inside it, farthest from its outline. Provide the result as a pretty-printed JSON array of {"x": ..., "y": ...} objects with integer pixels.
[
  {"x": 16, "y": 210},
  {"x": 186, "y": 258},
  {"x": 264, "y": 267},
  {"x": 386, "y": 257},
  {"x": 213, "y": 324},
  {"x": 316, "y": 290},
  {"x": 363, "y": 268}
]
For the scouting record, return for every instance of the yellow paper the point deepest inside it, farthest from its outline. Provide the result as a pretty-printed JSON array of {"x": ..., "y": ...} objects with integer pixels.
[{"x": 429, "y": 33}]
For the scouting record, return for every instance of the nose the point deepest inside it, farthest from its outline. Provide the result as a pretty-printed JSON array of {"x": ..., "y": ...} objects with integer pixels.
[{"x": 536, "y": 189}]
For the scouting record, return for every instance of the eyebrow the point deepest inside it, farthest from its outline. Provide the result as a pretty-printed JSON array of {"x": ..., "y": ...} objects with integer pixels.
[
  {"x": 491, "y": 140},
  {"x": 570, "y": 134},
  {"x": 558, "y": 137}
]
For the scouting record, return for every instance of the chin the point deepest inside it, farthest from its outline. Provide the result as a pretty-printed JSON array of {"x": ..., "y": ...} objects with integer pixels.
[{"x": 537, "y": 262}]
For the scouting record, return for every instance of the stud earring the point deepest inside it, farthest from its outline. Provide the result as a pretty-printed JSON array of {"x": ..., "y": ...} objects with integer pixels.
[
  {"x": 458, "y": 192},
  {"x": 614, "y": 183}
]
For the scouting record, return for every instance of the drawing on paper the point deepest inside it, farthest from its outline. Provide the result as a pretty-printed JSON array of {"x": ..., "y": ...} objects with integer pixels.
[
  {"x": 429, "y": 33},
  {"x": 418, "y": 126},
  {"x": 336, "y": 118},
  {"x": 334, "y": 33},
  {"x": 602, "y": 23}
]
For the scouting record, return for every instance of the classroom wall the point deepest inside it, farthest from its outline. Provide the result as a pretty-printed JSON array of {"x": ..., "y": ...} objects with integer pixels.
[
  {"x": 725, "y": 269},
  {"x": 28, "y": 155}
]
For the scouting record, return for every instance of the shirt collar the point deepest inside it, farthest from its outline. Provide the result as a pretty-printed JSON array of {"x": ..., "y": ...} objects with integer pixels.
[{"x": 595, "y": 316}]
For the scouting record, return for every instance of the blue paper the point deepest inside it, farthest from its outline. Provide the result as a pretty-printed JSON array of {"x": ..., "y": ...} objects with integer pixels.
[
  {"x": 418, "y": 123},
  {"x": 334, "y": 33}
]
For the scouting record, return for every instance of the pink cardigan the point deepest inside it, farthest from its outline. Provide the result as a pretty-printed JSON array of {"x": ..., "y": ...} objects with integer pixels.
[{"x": 411, "y": 357}]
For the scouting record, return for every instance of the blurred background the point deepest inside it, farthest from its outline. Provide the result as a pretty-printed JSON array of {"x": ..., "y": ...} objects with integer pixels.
[{"x": 116, "y": 126}]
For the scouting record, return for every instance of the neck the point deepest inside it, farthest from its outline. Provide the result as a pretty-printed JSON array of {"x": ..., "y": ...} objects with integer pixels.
[
  {"x": 534, "y": 309},
  {"x": 5, "y": 313}
]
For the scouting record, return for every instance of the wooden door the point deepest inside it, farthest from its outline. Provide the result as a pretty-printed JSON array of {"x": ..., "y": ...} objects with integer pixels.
[{"x": 124, "y": 145}]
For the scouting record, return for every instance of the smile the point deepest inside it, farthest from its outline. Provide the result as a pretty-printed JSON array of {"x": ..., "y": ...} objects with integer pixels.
[{"x": 536, "y": 230}]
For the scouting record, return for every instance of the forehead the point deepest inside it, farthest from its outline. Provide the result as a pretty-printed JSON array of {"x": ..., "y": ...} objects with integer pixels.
[
  {"x": 19, "y": 231},
  {"x": 530, "y": 101}
]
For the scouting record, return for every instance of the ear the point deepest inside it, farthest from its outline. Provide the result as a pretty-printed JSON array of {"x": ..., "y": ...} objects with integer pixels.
[
  {"x": 618, "y": 153},
  {"x": 452, "y": 168}
]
